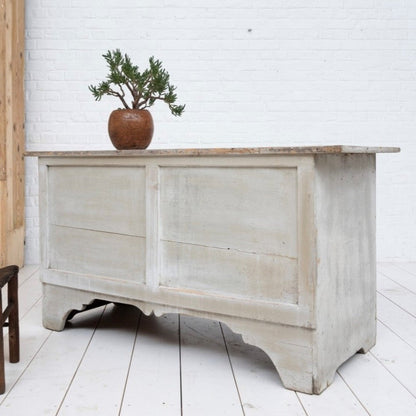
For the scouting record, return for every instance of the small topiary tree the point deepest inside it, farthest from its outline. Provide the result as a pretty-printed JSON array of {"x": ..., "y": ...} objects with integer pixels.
[{"x": 145, "y": 87}]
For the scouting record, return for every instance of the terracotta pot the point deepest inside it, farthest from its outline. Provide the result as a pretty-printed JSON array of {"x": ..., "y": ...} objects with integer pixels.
[{"x": 130, "y": 129}]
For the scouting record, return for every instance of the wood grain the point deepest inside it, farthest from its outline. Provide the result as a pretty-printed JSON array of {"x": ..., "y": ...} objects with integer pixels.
[
  {"x": 3, "y": 137},
  {"x": 97, "y": 253},
  {"x": 99, "y": 198},
  {"x": 225, "y": 207},
  {"x": 3, "y": 51},
  {"x": 228, "y": 272},
  {"x": 12, "y": 136},
  {"x": 333, "y": 149}
]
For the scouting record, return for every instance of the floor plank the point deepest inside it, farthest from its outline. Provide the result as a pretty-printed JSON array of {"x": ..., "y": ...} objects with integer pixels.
[
  {"x": 398, "y": 294},
  {"x": 98, "y": 385},
  {"x": 30, "y": 292},
  {"x": 410, "y": 267},
  {"x": 153, "y": 387},
  {"x": 32, "y": 336},
  {"x": 378, "y": 391},
  {"x": 27, "y": 272},
  {"x": 51, "y": 369},
  {"x": 337, "y": 400},
  {"x": 399, "y": 275},
  {"x": 398, "y": 320},
  {"x": 152, "y": 368},
  {"x": 258, "y": 382},
  {"x": 397, "y": 356},
  {"x": 208, "y": 386}
]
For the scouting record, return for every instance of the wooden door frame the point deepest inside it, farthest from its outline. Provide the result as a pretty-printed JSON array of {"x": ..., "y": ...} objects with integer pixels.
[{"x": 12, "y": 134}]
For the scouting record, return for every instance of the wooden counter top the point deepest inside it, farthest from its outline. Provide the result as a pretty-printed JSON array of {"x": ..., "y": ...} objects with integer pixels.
[{"x": 334, "y": 149}]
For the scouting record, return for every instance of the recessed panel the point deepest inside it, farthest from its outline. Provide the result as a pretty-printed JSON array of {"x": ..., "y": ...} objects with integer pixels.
[
  {"x": 230, "y": 228},
  {"x": 97, "y": 253},
  {"x": 229, "y": 272},
  {"x": 103, "y": 198},
  {"x": 249, "y": 209}
]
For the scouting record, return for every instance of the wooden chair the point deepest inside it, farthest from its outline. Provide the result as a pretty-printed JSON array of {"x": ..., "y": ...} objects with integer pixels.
[{"x": 8, "y": 276}]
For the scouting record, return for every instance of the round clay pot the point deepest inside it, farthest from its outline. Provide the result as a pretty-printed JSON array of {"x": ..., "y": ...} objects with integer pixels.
[{"x": 130, "y": 129}]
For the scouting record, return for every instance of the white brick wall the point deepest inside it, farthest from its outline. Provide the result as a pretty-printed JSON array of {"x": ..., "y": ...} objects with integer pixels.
[{"x": 251, "y": 72}]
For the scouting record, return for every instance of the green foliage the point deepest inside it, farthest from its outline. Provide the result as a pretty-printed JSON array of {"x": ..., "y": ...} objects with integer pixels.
[{"x": 145, "y": 87}]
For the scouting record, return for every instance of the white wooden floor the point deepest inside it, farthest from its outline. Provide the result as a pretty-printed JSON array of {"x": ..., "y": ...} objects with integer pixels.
[{"x": 116, "y": 361}]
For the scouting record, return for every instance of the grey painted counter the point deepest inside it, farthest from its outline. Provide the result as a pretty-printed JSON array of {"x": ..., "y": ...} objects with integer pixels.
[{"x": 278, "y": 243}]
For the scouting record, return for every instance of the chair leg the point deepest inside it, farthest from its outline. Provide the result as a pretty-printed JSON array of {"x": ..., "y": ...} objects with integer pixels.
[
  {"x": 13, "y": 320},
  {"x": 2, "y": 376}
]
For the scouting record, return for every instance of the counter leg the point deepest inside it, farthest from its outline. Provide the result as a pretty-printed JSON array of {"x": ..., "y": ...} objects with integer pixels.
[
  {"x": 59, "y": 302},
  {"x": 289, "y": 348}
]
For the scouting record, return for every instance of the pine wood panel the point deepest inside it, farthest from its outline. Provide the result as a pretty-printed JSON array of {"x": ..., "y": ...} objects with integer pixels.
[
  {"x": 219, "y": 206},
  {"x": 11, "y": 132},
  {"x": 3, "y": 183},
  {"x": 81, "y": 251},
  {"x": 235, "y": 273},
  {"x": 100, "y": 198}
]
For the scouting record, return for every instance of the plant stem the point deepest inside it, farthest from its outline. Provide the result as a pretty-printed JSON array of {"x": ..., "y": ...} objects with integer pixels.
[
  {"x": 117, "y": 94},
  {"x": 133, "y": 93}
]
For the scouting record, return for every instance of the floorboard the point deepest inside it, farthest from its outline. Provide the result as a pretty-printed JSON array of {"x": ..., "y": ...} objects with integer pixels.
[
  {"x": 258, "y": 382},
  {"x": 32, "y": 337},
  {"x": 208, "y": 386},
  {"x": 409, "y": 267},
  {"x": 154, "y": 383},
  {"x": 30, "y": 292},
  {"x": 27, "y": 272},
  {"x": 400, "y": 275},
  {"x": 115, "y": 361},
  {"x": 339, "y": 401},
  {"x": 30, "y": 289},
  {"x": 377, "y": 390},
  {"x": 397, "y": 356},
  {"x": 398, "y": 320},
  {"x": 399, "y": 295},
  {"x": 51, "y": 369},
  {"x": 98, "y": 385}
]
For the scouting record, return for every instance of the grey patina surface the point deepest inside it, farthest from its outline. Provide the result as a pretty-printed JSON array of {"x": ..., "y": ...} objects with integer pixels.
[{"x": 278, "y": 243}]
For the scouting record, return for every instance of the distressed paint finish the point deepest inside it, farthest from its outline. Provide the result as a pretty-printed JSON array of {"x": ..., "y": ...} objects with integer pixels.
[
  {"x": 279, "y": 246},
  {"x": 346, "y": 290}
]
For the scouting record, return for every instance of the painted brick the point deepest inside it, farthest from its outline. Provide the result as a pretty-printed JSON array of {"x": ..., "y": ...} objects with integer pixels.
[{"x": 252, "y": 73}]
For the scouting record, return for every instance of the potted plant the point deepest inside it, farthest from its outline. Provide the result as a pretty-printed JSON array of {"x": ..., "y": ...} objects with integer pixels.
[{"x": 132, "y": 126}]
